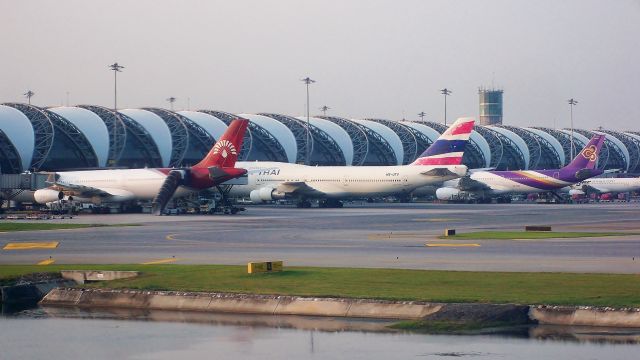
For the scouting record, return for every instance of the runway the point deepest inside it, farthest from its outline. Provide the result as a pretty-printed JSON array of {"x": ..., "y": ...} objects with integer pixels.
[{"x": 359, "y": 235}]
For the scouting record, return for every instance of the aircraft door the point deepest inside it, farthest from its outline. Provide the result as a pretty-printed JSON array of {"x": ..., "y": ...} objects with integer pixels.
[
  {"x": 345, "y": 181},
  {"x": 405, "y": 181}
]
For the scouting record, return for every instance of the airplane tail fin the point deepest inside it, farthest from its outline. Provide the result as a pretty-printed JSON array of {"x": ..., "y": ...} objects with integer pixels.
[
  {"x": 226, "y": 150},
  {"x": 449, "y": 147},
  {"x": 588, "y": 157}
]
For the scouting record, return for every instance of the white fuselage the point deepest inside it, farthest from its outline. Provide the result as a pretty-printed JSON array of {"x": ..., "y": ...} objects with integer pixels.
[
  {"x": 615, "y": 185},
  {"x": 340, "y": 182},
  {"x": 123, "y": 184},
  {"x": 499, "y": 185}
]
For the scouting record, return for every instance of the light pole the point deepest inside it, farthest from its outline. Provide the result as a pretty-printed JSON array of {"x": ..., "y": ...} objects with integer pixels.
[
  {"x": 116, "y": 69},
  {"x": 324, "y": 109},
  {"x": 422, "y": 114},
  {"x": 308, "y": 82},
  {"x": 171, "y": 100},
  {"x": 28, "y": 95},
  {"x": 446, "y": 92},
  {"x": 572, "y": 102}
]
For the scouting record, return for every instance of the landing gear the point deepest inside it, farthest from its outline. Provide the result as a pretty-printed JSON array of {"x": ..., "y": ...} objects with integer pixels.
[
  {"x": 226, "y": 206},
  {"x": 303, "y": 204},
  {"x": 330, "y": 203}
]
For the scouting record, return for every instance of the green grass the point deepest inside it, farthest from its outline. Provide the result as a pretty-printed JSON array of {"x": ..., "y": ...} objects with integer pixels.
[
  {"x": 616, "y": 290},
  {"x": 511, "y": 235},
  {"x": 28, "y": 226}
]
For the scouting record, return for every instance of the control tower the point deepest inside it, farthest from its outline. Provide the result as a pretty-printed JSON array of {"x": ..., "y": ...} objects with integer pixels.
[{"x": 490, "y": 106}]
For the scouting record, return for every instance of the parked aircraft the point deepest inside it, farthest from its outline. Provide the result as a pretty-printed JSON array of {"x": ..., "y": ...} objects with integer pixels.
[
  {"x": 606, "y": 185},
  {"x": 269, "y": 181},
  {"x": 483, "y": 185},
  {"x": 157, "y": 184}
]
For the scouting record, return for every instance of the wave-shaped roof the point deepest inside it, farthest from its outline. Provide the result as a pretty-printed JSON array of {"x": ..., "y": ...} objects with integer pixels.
[
  {"x": 157, "y": 128},
  {"x": 337, "y": 133},
  {"x": 553, "y": 141},
  {"x": 214, "y": 126},
  {"x": 20, "y": 132},
  {"x": 392, "y": 138},
  {"x": 92, "y": 126},
  {"x": 521, "y": 144},
  {"x": 279, "y": 131}
]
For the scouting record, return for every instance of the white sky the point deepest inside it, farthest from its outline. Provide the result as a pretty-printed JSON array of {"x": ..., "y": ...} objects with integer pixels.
[{"x": 370, "y": 58}]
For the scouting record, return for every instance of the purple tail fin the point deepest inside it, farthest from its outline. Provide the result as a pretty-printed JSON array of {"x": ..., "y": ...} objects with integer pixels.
[{"x": 588, "y": 157}]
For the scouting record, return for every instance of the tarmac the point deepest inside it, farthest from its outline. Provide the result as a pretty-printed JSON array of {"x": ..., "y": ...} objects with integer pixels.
[{"x": 388, "y": 235}]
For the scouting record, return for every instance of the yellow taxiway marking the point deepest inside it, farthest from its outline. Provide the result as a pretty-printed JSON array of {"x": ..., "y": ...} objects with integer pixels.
[
  {"x": 438, "y": 220},
  {"x": 161, "y": 261},
  {"x": 46, "y": 262},
  {"x": 451, "y": 245},
  {"x": 31, "y": 245},
  {"x": 170, "y": 236},
  {"x": 398, "y": 235}
]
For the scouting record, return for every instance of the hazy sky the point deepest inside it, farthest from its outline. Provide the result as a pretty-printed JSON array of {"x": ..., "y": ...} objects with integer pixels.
[{"x": 370, "y": 58}]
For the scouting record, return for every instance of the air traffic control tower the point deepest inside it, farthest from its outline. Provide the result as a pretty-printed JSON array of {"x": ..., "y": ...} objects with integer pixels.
[{"x": 490, "y": 106}]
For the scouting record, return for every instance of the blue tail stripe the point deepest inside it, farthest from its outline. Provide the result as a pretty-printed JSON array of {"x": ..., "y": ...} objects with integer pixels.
[{"x": 444, "y": 146}]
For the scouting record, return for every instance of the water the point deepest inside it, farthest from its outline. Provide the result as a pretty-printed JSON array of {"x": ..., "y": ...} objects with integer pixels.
[{"x": 77, "y": 334}]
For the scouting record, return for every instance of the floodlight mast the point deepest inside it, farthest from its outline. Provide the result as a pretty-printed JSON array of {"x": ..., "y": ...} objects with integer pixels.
[
  {"x": 422, "y": 114},
  {"x": 324, "y": 109},
  {"x": 171, "y": 100},
  {"x": 446, "y": 92},
  {"x": 572, "y": 102},
  {"x": 28, "y": 95},
  {"x": 308, "y": 81},
  {"x": 116, "y": 68}
]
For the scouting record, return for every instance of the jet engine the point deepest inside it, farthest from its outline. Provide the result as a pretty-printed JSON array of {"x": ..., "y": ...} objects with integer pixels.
[
  {"x": 44, "y": 196},
  {"x": 576, "y": 192},
  {"x": 448, "y": 193},
  {"x": 265, "y": 194}
]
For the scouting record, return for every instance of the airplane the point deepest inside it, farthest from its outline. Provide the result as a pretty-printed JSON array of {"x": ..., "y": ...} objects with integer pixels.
[
  {"x": 606, "y": 185},
  {"x": 157, "y": 184},
  {"x": 483, "y": 185},
  {"x": 268, "y": 181}
]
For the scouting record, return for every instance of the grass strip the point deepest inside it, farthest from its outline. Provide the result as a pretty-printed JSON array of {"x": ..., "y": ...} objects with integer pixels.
[
  {"x": 29, "y": 226},
  {"x": 615, "y": 290},
  {"x": 512, "y": 235}
]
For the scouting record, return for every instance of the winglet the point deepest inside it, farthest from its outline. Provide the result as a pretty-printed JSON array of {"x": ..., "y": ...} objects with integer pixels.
[
  {"x": 448, "y": 149},
  {"x": 225, "y": 152}
]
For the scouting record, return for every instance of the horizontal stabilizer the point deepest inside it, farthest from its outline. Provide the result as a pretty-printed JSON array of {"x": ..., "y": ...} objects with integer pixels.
[{"x": 439, "y": 172}]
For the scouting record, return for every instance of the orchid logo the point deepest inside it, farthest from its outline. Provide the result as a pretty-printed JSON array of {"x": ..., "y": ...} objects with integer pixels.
[
  {"x": 224, "y": 148},
  {"x": 590, "y": 153}
]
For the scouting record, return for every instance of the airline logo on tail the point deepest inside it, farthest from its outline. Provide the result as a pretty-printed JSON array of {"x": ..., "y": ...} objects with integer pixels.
[
  {"x": 224, "y": 148},
  {"x": 224, "y": 152},
  {"x": 448, "y": 149},
  {"x": 590, "y": 153}
]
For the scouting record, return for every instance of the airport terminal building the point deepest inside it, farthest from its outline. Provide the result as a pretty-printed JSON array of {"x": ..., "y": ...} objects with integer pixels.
[{"x": 35, "y": 138}]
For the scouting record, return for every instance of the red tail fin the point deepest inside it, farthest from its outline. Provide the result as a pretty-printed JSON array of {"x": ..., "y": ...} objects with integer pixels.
[{"x": 225, "y": 152}]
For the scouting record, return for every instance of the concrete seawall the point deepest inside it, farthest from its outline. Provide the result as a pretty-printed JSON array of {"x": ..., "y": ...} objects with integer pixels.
[{"x": 335, "y": 307}]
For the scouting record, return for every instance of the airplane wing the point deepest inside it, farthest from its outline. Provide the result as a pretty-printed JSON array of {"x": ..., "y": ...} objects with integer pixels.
[
  {"x": 298, "y": 188},
  {"x": 466, "y": 183},
  {"x": 90, "y": 192}
]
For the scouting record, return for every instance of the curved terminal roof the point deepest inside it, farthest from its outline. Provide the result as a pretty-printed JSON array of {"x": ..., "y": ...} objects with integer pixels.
[
  {"x": 520, "y": 143},
  {"x": 19, "y": 130},
  {"x": 279, "y": 131},
  {"x": 392, "y": 138},
  {"x": 214, "y": 126},
  {"x": 579, "y": 141},
  {"x": 619, "y": 144},
  {"x": 553, "y": 141},
  {"x": 93, "y": 128},
  {"x": 339, "y": 135},
  {"x": 483, "y": 145},
  {"x": 155, "y": 126},
  {"x": 427, "y": 131}
]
